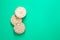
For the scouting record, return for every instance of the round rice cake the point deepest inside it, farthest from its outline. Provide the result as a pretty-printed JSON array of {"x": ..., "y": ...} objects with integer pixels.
[
  {"x": 15, "y": 20},
  {"x": 20, "y": 12},
  {"x": 19, "y": 28}
]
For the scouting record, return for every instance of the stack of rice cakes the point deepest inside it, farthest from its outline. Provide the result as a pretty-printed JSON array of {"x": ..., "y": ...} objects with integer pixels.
[{"x": 16, "y": 20}]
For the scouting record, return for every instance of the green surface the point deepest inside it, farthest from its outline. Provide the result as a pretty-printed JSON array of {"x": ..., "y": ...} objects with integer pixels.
[{"x": 42, "y": 20}]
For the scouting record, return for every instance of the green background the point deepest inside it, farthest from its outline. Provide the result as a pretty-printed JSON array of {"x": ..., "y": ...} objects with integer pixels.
[{"x": 42, "y": 20}]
